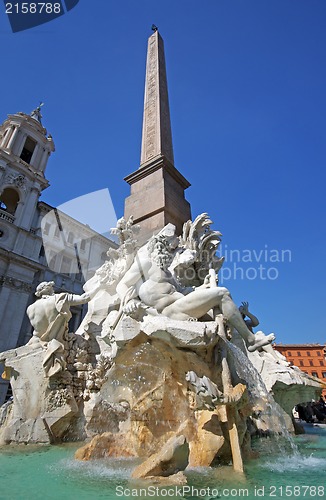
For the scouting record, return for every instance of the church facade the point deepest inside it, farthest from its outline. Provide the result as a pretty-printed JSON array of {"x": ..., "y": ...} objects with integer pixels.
[{"x": 37, "y": 242}]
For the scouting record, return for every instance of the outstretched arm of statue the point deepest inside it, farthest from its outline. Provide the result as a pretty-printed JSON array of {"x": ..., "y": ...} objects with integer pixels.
[
  {"x": 85, "y": 297},
  {"x": 244, "y": 309}
]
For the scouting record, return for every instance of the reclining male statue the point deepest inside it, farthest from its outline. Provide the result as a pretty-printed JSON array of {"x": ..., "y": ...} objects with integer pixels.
[{"x": 150, "y": 279}]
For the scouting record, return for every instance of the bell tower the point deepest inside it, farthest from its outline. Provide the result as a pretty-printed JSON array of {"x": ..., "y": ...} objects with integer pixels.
[
  {"x": 157, "y": 187},
  {"x": 25, "y": 147}
]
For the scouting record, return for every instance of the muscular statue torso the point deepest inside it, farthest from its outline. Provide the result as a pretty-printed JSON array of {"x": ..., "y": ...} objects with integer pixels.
[
  {"x": 159, "y": 289},
  {"x": 42, "y": 313}
]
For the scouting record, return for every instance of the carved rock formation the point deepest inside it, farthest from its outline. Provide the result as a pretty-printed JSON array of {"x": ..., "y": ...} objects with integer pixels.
[{"x": 144, "y": 375}]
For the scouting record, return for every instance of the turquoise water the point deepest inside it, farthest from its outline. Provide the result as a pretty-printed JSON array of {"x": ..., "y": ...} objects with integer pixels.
[{"x": 51, "y": 473}]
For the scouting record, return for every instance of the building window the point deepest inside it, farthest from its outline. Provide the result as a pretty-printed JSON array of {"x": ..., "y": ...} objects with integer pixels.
[
  {"x": 57, "y": 232},
  {"x": 318, "y": 353},
  {"x": 324, "y": 374},
  {"x": 65, "y": 265},
  {"x": 70, "y": 237},
  {"x": 308, "y": 353},
  {"x": 83, "y": 245},
  {"x": 9, "y": 200},
  {"x": 289, "y": 354},
  {"x": 314, "y": 374},
  {"x": 311, "y": 363},
  {"x": 298, "y": 353},
  {"x": 46, "y": 228},
  {"x": 301, "y": 362},
  {"x": 28, "y": 150}
]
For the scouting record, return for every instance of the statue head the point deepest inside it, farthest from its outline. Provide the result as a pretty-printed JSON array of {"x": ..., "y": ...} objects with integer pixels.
[
  {"x": 160, "y": 251},
  {"x": 45, "y": 288}
]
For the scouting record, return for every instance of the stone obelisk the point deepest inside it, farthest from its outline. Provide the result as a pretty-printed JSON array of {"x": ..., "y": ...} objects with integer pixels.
[{"x": 157, "y": 187}]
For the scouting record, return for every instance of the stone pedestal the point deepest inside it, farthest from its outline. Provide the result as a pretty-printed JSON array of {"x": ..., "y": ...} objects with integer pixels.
[{"x": 157, "y": 198}]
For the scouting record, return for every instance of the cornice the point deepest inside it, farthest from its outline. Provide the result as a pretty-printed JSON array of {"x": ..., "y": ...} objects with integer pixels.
[{"x": 16, "y": 284}]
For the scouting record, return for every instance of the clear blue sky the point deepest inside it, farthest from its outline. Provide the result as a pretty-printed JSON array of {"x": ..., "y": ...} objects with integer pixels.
[{"x": 247, "y": 84}]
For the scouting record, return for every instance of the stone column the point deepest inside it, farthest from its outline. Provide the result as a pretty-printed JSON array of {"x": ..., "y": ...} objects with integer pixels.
[
  {"x": 12, "y": 138},
  {"x": 44, "y": 160},
  {"x": 18, "y": 146},
  {"x": 29, "y": 208},
  {"x": 6, "y": 136}
]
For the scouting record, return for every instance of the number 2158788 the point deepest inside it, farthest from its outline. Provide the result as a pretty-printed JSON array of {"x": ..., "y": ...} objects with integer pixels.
[{"x": 33, "y": 8}]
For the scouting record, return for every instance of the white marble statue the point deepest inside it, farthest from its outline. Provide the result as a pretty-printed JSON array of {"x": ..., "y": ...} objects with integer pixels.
[
  {"x": 49, "y": 316},
  {"x": 208, "y": 395},
  {"x": 152, "y": 350},
  {"x": 109, "y": 274},
  {"x": 252, "y": 321},
  {"x": 150, "y": 279}
]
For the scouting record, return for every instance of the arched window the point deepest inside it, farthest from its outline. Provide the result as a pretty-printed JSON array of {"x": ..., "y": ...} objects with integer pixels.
[
  {"x": 28, "y": 150},
  {"x": 9, "y": 200}
]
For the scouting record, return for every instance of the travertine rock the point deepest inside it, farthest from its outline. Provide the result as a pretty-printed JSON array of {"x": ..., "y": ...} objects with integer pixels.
[
  {"x": 208, "y": 441},
  {"x": 39, "y": 414},
  {"x": 158, "y": 372},
  {"x": 172, "y": 458},
  {"x": 189, "y": 335},
  {"x": 288, "y": 384},
  {"x": 178, "y": 479},
  {"x": 150, "y": 376},
  {"x": 107, "y": 445}
]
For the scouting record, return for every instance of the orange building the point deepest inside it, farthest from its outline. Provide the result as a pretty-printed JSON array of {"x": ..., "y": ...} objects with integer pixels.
[{"x": 310, "y": 358}]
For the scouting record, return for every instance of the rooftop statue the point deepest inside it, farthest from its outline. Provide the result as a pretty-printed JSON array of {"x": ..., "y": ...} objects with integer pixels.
[{"x": 36, "y": 113}]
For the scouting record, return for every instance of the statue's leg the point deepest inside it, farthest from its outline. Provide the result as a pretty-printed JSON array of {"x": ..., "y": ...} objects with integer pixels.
[
  {"x": 263, "y": 341},
  {"x": 269, "y": 350},
  {"x": 232, "y": 314},
  {"x": 196, "y": 304}
]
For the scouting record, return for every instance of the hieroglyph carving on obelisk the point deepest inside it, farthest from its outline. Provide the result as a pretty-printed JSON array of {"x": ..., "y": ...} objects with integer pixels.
[{"x": 157, "y": 136}]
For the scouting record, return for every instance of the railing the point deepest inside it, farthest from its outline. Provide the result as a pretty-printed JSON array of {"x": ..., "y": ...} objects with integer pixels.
[{"x": 7, "y": 216}]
